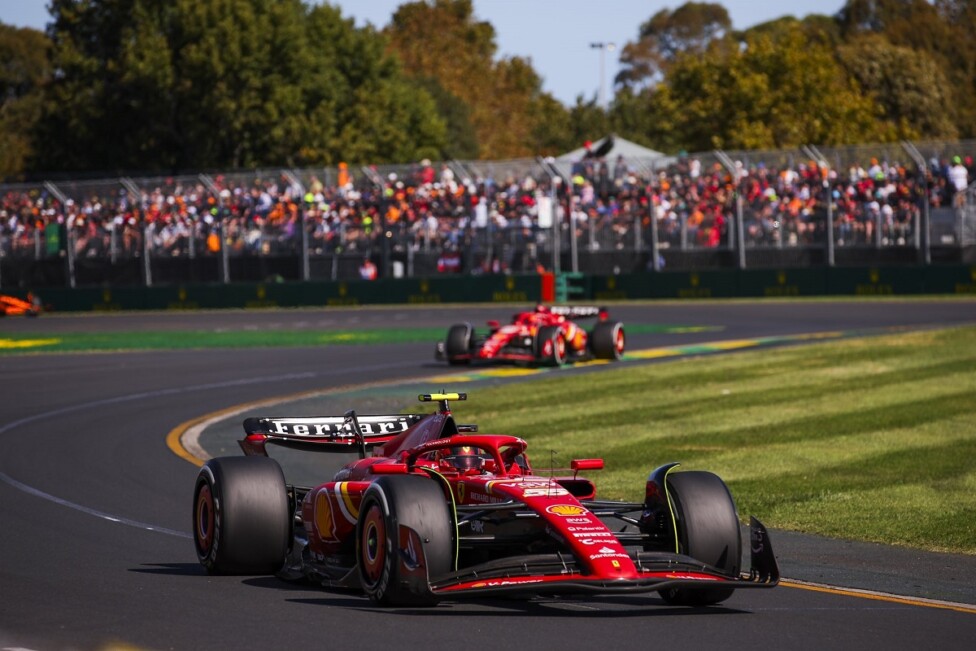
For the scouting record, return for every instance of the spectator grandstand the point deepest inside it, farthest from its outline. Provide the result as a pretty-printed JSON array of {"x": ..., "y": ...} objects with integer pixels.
[{"x": 748, "y": 208}]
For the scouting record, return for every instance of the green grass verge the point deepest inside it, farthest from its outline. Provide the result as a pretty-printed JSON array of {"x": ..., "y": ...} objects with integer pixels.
[
  {"x": 866, "y": 439},
  {"x": 71, "y": 342},
  {"x": 82, "y": 341}
]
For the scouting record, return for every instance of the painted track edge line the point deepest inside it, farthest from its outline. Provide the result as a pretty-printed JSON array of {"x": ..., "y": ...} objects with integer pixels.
[{"x": 879, "y": 596}]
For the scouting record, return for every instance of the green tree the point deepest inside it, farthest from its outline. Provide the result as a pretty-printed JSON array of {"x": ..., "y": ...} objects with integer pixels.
[
  {"x": 643, "y": 118},
  {"x": 187, "y": 84},
  {"x": 668, "y": 34},
  {"x": 443, "y": 40},
  {"x": 461, "y": 139},
  {"x": 909, "y": 85},
  {"x": 23, "y": 73},
  {"x": 819, "y": 29},
  {"x": 589, "y": 121},
  {"x": 942, "y": 31},
  {"x": 366, "y": 108},
  {"x": 766, "y": 94},
  {"x": 553, "y": 132}
]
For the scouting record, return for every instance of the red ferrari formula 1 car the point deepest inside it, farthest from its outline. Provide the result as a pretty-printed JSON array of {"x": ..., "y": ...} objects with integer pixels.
[
  {"x": 549, "y": 336},
  {"x": 439, "y": 511},
  {"x": 13, "y": 306}
]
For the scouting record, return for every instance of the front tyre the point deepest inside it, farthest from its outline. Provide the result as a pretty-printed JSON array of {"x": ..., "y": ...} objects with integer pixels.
[
  {"x": 607, "y": 340},
  {"x": 241, "y": 519},
  {"x": 708, "y": 531},
  {"x": 550, "y": 346},
  {"x": 393, "y": 572},
  {"x": 457, "y": 346}
]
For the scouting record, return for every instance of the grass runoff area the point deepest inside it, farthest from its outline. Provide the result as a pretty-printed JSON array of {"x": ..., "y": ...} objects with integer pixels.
[
  {"x": 202, "y": 339},
  {"x": 864, "y": 439}
]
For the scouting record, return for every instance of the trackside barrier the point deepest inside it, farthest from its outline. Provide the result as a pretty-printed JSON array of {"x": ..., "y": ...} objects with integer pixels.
[
  {"x": 416, "y": 291},
  {"x": 765, "y": 283},
  {"x": 529, "y": 288}
]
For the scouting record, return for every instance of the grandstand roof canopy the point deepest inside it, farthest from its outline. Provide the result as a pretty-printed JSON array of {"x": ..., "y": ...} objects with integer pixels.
[{"x": 617, "y": 147}]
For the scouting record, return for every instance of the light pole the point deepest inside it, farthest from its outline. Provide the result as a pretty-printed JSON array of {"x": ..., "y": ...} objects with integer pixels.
[{"x": 604, "y": 48}]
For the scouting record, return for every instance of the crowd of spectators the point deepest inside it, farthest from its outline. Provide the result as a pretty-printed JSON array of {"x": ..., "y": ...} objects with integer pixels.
[{"x": 443, "y": 210}]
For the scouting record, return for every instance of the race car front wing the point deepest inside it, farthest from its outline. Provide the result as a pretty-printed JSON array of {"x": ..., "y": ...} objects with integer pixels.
[{"x": 560, "y": 573}]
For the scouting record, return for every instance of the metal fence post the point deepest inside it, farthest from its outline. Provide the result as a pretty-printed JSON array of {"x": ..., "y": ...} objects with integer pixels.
[
  {"x": 925, "y": 252},
  {"x": 147, "y": 233},
  {"x": 655, "y": 243},
  {"x": 573, "y": 244},
  {"x": 302, "y": 212},
  {"x": 69, "y": 235},
  {"x": 740, "y": 227},
  {"x": 224, "y": 251},
  {"x": 821, "y": 160}
]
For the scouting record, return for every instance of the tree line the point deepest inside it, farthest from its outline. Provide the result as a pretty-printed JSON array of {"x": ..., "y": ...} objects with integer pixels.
[{"x": 138, "y": 86}]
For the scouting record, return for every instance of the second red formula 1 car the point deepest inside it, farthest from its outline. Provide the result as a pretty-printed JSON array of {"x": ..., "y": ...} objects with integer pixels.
[
  {"x": 549, "y": 336},
  {"x": 440, "y": 511}
]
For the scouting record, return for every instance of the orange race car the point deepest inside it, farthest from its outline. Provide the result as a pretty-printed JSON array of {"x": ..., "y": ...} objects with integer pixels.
[{"x": 13, "y": 306}]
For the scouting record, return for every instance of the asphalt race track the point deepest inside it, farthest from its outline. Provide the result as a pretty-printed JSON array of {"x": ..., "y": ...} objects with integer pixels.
[{"x": 95, "y": 547}]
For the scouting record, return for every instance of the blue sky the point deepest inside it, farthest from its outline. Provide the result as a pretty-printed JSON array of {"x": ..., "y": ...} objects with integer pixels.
[{"x": 555, "y": 34}]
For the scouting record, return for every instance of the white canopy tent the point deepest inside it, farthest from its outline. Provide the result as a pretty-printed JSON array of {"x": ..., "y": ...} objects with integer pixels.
[
  {"x": 617, "y": 147},
  {"x": 638, "y": 157}
]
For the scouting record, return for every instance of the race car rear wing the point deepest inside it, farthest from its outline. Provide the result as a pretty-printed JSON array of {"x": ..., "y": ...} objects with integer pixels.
[
  {"x": 325, "y": 433},
  {"x": 579, "y": 311},
  {"x": 339, "y": 433}
]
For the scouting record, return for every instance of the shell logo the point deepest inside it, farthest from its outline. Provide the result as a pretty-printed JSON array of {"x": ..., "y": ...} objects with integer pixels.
[{"x": 566, "y": 510}]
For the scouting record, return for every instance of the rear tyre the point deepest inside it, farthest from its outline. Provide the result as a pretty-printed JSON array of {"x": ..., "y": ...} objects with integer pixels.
[
  {"x": 241, "y": 519},
  {"x": 708, "y": 531},
  {"x": 457, "y": 346},
  {"x": 550, "y": 346},
  {"x": 389, "y": 568},
  {"x": 608, "y": 340}
]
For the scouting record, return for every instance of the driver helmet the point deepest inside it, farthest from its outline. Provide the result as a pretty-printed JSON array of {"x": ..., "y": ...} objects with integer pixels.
[{"x": 463, "y": 457}]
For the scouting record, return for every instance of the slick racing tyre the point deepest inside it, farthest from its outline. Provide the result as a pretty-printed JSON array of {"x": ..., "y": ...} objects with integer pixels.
[
  {"x": 457, "y": 346},
  {"x": 607, "y": 340},
  {"x": 550, "y": 346},
  {"x": 241, "y": 519},
  {"x": 708, "y": 531},
  {"x": 395, "y": 567}
]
